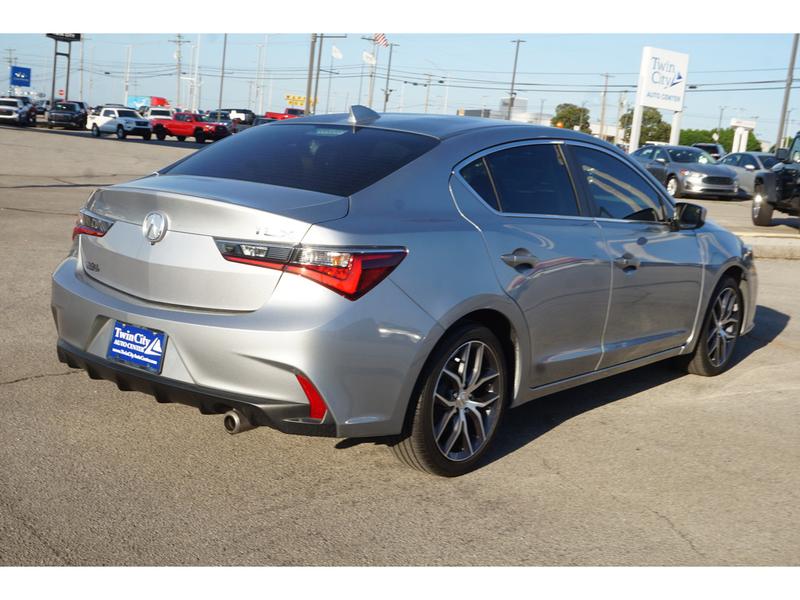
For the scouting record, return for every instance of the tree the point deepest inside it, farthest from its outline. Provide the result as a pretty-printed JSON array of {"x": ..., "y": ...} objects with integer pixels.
[
  {"x": 654, "y": 129},
  {"x": 694, "y": 136},
  {"x": 570, "y": 115}
]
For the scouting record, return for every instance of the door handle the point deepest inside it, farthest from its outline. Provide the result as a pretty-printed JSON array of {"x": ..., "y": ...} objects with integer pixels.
[
  {"x": 627, "y": 262},
  {"x": 520, "y": 258}
]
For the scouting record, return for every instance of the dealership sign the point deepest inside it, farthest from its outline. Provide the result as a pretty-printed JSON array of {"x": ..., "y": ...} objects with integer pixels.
[
  {"x": 20, "y": 76},
  {"x": 662, "y": 78}
]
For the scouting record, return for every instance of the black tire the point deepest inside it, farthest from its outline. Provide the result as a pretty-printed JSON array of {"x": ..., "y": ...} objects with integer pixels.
[
  {"x": 673, "y": 181},
  {"x": 146, "y": 136},
  {"x": 161, "y": 135},
  {"x": 181, "y": 138},
  {"x": 200, "y": 136},
  {"x": 700, "y": 361},
  {"x": 761, "y": 211},
  {"x": 418, "y": 447},
  {"x": 121, "y": 135},
  {"x": 95, "y": 130},
  {"x": 49, "y": 125}
]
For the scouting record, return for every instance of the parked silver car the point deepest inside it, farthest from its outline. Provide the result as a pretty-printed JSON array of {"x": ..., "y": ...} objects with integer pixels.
[
  {"x": 749, "y": 168},
  {"x": 688, "y": 171},
  {"x": 409, "y": 277}
]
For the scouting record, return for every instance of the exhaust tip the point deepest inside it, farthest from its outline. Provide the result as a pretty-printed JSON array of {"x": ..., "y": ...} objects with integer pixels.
[{"x": 235, "y": 422}]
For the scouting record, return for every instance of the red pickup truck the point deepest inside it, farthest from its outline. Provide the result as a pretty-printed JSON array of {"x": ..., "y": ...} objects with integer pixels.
[
  {"x": 185, "y": 124},
  {"x": 289, "y": 113}
]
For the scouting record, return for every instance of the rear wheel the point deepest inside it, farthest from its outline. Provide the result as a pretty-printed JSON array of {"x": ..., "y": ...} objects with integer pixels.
[
  {"x": 181, "y": 138},
  {"x": 461, "y": 397},
  {"x": 714, "y": 350},
  {"x": 121, "y": 135},
  {"x": 95, "y": 130},
  {"x": 761, "y": 209},
  {"x": 147, "y": 136},
  {"x": 161, "y": 134},
  {"x": 200, "y": 136}
]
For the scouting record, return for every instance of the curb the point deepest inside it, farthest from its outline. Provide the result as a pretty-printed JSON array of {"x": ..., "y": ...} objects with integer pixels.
[{"x": 772, "y": 245}]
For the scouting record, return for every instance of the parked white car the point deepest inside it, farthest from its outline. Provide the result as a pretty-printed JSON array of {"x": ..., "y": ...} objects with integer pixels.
[
  {"x": 157, "y": 112},
  {"x": 13, "y": 110},
  {"x": 119, "y": 121}
]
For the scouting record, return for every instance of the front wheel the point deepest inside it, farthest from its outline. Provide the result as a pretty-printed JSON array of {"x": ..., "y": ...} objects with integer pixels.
[
  {"x": 147, "y": 136},
  {"x": 95, "y": 131},
  {"x": 161, "y": 135},
  {"x": 461, "y": 396},
  {"x": 181, "y": 138},
  {"x": 673, "y": 187},
  {"x": 200, "y": 137},
  {"x": 714, "y": 350},
  {"x": 761, "y": 209},
  {"x": 121, "y": 135}
]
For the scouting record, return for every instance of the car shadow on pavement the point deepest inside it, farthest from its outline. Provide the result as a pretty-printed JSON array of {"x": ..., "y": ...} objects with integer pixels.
[
  {"x": 524, "y": 424},
  {"x": 793, "y": 222}
]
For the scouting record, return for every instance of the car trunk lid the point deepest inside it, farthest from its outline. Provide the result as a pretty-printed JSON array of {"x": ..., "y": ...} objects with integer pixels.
[{"x": 185, "y": 267}]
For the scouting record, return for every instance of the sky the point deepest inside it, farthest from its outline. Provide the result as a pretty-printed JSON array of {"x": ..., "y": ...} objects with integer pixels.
[{"x": 474, "y": 71}]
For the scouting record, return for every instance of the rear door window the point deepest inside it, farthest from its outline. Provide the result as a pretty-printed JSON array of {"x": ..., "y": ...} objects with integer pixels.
[{"x": 333, "y": 159}]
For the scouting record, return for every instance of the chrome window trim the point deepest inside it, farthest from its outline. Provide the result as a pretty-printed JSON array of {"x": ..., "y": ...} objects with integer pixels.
[
  {"x": 637, "y": 168},
  {"x": 456, "y": 172}
]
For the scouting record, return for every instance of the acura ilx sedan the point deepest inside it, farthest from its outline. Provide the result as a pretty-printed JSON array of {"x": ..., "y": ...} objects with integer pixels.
[{"x": 395, "y": 276}]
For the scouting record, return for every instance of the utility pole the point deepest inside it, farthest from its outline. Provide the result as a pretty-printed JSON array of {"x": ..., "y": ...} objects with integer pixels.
[
  {"x": 81, "y": 66},
  {"x": 11, "y": 61},
  {"x": 310, "y": 72},
  {"x": 446, "y": 93},
  {"x": 222, "y": 72},
  {"x": 387, "y": 91},
  {"x": 719, "y": 123},
  {"x": 321, "y": 38},
  {"x": 127, "y": 75},
  {"x": 620, "y": 108},
  {"x": 372, "y": 72},
  {"x": 541, "y": 111},
  {"x": 603, "y": 107},
  {"x": 178, "y": 55},
  {"x": 91, "y": 75},
  {"x": 513, "y": 78},
  {"x": 427, "y": 91},
  {"x": 263, "y": 74},
  {"x": 259, "y": 89},
  {"x": 789, "y": 78}
]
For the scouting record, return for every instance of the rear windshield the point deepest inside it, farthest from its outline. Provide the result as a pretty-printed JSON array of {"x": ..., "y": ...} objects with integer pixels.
[{"x": 333, "y": 159}]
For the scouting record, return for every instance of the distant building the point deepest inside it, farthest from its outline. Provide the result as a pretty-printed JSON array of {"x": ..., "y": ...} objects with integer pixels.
[{"x": 519, "y": 112}]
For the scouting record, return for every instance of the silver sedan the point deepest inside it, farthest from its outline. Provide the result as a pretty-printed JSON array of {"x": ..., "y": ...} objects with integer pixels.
[
  {"x": 403, "y": 277},
  {"x": 749, "y": 168}
]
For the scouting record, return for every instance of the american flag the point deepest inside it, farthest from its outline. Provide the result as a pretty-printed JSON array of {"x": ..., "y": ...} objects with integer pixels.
[{"x": 380, "y": 39}]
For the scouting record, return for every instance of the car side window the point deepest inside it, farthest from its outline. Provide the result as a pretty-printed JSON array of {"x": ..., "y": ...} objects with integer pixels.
[
  {"x": 645, "y": 153},
  {"x": 476, "y": 174},
  {"x": 532, "y": 179},
  {"x": 108, "y": 113},
  {"x": 732, "y": 160},
  {"x": 617, "y": 190},
  {"x": 748, "y": 160},
  {"x": 794, "y": 153},
  {"x": 662, "y": 156}
]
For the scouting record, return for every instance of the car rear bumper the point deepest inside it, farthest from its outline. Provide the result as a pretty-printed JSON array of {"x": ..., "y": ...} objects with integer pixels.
[
  {"x": 288, "y": 417},
  {"x": 363, "y": 357}
]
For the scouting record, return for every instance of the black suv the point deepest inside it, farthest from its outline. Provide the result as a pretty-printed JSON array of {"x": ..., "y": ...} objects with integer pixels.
[
  {"x": 66, "y": 114},
  {"x": 781, "y": 189}
]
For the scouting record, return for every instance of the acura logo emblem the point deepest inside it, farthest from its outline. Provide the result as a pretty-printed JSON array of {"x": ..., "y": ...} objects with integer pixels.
[{"x": 154, "y": 227}]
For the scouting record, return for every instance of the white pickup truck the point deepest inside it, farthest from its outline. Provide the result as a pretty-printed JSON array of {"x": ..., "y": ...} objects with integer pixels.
[{"x": 120, "y": 121}]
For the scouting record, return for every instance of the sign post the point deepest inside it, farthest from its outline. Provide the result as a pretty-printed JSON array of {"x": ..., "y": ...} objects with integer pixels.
[
  {"x": 67, "y": 38},
  {"x": 662, "y": 84}
]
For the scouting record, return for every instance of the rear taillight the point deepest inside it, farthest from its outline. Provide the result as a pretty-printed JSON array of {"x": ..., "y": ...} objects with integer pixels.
[
  {"x": 89, "y": 223},
  {"x": 351, "y": 272}
]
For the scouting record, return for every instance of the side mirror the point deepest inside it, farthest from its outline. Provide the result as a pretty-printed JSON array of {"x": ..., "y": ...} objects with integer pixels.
[
  {"x": 750, "y": 167},
  {"x": 663, "y": 161},
  {"x": 782, "y": 154},
  {"x": 689, "y": 216}
]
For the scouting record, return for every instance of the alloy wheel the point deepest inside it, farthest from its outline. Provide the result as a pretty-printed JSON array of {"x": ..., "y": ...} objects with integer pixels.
[
  {"x": 466, "y": 401},
  {"x": 672, "y": 186},
  {"x": 723, "y": 326}
]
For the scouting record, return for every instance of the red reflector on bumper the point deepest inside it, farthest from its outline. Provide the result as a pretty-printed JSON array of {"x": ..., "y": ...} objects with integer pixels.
[{"x": 317, "y": 408}]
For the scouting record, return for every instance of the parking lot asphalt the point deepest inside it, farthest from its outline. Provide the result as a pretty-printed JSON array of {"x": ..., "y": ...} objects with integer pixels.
[{"x": 647, "y": 468}]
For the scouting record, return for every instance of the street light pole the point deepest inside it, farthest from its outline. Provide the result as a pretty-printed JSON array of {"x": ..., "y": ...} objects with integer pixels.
[
  {"x": 513, "y": 78},
  {"x": 603, "y": 107},
  {"x": 786, "y": 92},
  {"x": 388, "y": 74},
  {"x": 222, "y": 73},
  {"x": 310, "y": 72},
  {"x": 719, "y": 124}
]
